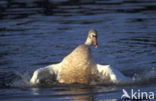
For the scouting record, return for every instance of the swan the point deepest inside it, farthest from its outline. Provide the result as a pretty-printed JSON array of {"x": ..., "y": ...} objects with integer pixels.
[{"x": 79, "y": 67}]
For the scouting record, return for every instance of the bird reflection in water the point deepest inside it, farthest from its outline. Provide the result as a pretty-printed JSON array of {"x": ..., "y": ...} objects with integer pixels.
[{"x": 79, "y": 94}]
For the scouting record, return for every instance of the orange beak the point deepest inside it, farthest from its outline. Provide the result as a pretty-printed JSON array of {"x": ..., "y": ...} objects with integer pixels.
[{"x": 95, "y": 42}]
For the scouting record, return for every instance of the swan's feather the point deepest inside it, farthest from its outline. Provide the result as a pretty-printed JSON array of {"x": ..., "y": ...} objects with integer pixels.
[
  {"x": 50, "y": 71},
  {"x": 108, "y": 72}
]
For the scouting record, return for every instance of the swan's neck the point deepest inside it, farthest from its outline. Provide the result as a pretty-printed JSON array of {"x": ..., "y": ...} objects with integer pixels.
[{"x": 88, "y": 41}]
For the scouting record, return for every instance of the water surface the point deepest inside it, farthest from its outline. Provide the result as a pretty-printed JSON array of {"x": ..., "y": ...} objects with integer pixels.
[{"x": 37, "y": 33}]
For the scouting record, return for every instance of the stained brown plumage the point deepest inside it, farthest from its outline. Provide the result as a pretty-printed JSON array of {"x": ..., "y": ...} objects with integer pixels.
[{"x": 78, "y": 66}]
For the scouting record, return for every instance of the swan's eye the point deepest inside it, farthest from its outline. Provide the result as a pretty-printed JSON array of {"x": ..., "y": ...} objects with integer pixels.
[{"x": 94, "y": 35}]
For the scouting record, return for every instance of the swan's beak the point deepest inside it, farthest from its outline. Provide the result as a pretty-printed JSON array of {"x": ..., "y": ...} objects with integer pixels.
[{"x": 95, "y": 42}]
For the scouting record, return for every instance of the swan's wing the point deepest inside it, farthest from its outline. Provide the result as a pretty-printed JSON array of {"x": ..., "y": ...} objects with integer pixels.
[
  {"x": 106, "y": 71},
  {"x": 50, "y": 72},
  {"x": 54, "y": 68}
]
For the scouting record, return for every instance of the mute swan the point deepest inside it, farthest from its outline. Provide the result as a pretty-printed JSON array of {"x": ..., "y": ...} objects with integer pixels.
[{"x": 79, "y": 67}]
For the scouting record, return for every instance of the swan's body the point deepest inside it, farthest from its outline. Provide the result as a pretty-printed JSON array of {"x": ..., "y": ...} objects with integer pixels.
[{"x": 79, "y": 67}]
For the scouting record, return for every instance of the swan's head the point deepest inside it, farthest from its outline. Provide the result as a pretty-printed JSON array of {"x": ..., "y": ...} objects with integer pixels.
[{"x": 92, "y": 38}]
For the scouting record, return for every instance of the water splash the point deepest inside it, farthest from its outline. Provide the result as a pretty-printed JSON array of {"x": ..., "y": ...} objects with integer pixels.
[
  {"x": 145, "y": 78},
  {"x": 21, "y": 80}
]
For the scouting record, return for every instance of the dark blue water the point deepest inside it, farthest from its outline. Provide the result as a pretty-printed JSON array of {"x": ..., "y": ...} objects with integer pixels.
[{"x": 37, "y": 33}]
